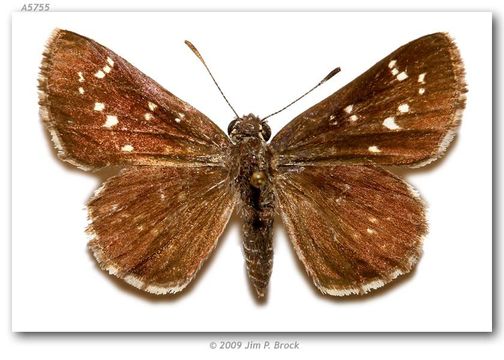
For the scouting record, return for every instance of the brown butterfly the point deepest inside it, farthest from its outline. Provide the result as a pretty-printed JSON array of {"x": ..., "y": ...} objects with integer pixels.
[{"x": 354, "y": 225}]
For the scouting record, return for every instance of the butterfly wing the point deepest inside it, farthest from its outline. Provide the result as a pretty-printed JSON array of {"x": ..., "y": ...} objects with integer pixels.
[
  {"x": 355, "y": 228},
  {"x": 150, "y": 225},
  {"x": 404, "y": 110},
  {"x": 154, "y": 226},
  {"x": 101, "y": 110}
]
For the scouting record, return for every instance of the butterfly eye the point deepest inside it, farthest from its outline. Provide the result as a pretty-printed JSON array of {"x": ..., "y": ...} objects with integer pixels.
[
  {"x": 266, "y": 131},
  {"x": 231, "y": 126}
]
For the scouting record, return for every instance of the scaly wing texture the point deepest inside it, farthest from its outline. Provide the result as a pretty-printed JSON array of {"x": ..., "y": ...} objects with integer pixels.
[
  {"x": 354, "y": 228},
  {"x": 100, "y": 110},
  {"x": 154, "y": 226},
  {"x": 404, "y": 110}
]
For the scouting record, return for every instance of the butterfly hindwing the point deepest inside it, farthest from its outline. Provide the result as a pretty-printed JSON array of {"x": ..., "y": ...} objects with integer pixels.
[
  {"x": 101, "y": 110},
  {"x": 354, "y": 228},
  {"x": 154, "y": 226},
  {"x": 404, "y": 110}
]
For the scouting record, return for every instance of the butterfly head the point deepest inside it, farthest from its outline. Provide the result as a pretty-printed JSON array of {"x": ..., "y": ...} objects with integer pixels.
[{"x": 249, "y": 126}]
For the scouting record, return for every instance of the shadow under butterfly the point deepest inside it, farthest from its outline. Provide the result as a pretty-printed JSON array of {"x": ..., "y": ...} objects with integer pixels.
[{"x": 354, "y": 225}]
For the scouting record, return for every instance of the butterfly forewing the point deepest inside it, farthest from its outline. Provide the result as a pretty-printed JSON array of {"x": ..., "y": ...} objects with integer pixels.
[
  {"x": 101, "y": 110},
  {"x": 402, "y": 111},
  {"x": 154, "y": 226},
  {"x": 354, "y": 228}
]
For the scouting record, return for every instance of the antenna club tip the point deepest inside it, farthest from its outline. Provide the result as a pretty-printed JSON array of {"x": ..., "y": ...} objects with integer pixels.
[
  {"x": 195, "y": 51},
  {"x": 189, "y": 44},
  {"x": 331, "y": 74}
]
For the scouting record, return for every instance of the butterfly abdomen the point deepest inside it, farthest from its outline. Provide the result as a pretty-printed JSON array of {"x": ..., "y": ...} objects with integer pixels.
[
  {"x": 253, "y": 181},
  {"x": 257, "y": 214}
]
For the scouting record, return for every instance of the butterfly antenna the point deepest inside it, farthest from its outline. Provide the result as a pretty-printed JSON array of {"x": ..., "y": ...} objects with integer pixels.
[
  {"x": 197, "y": 53},
  {"x": 328, "y": 76}
]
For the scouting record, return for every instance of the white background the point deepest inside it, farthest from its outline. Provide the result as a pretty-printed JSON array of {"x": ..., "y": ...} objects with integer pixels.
[
  {"x": 385, "y": 346},
  {"x": 262, "y": 62}
]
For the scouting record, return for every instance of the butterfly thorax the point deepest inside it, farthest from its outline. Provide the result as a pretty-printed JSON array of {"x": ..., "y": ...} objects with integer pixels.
[{"x": 253, "y": 181}]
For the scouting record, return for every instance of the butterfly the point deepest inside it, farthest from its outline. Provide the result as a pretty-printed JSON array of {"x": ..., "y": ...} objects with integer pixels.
[{"x": 354, "y": 225}]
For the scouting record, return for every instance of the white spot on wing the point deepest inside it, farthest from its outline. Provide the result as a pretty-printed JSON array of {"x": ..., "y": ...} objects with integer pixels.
[
  {"x": 81, "y": 77},
  {"x": 152, "y": 106},
  {"x": 99, "y": 106},
  {"x": 404, "y": 108},
  {"x": 371, "y": 231},
  {"x": 390, "y": 123},
  {"x": 421, "y": 78},
  {"x": 349, "y": 109},
  {"x": 81, "y": 90},
  {"x": 107, "y": 69},
  {"x": 148, "y": 116},
  {"x": 177, "y": 120},
  {"x": 402, "y": 76},
  {"x": 421, "y": 91},
  {"x": 395, "y": 71},
  {"x": 374, "y": 149},
  {"x": 332, "y": 121},
  {"x": 354, "y": 117},
  {"x": 100, "y": 74},
  {"x": 110, "y": 61},
  {"x": 127, "y": 148},
  {"x": 392, "y": 63},
  {"x": 111, "y": 121}
]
